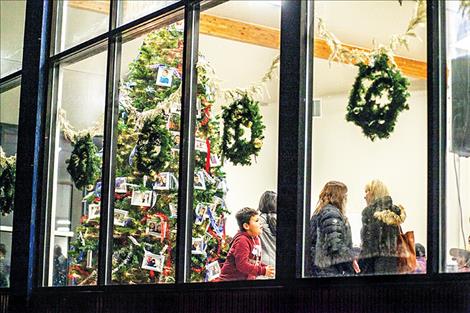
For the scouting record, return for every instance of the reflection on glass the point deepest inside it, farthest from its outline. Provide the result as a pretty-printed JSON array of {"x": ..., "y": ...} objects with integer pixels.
[
  {"x": 79, "y": 21},
  {"x": 133, "y": 9},
  {"x": 74, "y": 190},
  {"x": 9, "y": 110},
  {"x": 12, "y": 16},
  {"x": 457, "y": 233},
  {"x": 147, "y": 158},
  {"x": 366, "y": 190},
  {"x": 234, "y": 209}
]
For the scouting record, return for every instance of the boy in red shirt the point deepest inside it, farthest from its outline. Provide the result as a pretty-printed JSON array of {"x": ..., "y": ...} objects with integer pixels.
[{"x": 244, "y": 257}]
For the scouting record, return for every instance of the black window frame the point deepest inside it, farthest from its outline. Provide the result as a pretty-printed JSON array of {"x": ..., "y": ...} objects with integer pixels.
[{"x": 294, "y": 153}]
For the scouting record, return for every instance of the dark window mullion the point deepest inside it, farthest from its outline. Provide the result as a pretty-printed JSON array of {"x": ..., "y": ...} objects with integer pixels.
[
  {"x": 307, "y": 24},
  {"x": 10, "y": 81},
  {"x": 50, "y": 148},
  {"x": 29, "y": 155},
  {"x": 436, "y": 52},
  {"x": 109, "y": 155},
  {"x": 188, "y": 124},
  {"x": 291, "y": 188}
]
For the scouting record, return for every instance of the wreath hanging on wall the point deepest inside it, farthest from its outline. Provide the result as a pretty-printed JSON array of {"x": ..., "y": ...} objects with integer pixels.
[
  {"x": 84, "y": 163},
  {"x": 239, "y": 117},
  {"x": 377, "y": 119},
  {"x": 153, "y": 149},
  {"x": 7, "y": 183}
]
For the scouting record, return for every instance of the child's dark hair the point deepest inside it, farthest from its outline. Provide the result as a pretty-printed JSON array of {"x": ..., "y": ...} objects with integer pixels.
[
  {"x": 244, "y": 215},
  {"x": 3, "y": 249}
]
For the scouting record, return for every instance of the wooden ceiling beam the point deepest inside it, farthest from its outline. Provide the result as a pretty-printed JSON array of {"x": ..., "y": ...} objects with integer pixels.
[{"x": 260, "y": 35}]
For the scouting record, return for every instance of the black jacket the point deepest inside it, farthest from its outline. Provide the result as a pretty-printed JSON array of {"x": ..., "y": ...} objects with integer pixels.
[
  {"x": 380, "y": 221},
  {"x": 331, "y": 242}
]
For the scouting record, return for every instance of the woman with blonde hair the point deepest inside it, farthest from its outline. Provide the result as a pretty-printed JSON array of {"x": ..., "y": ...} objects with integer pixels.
[
  {"x": 330, "y": 233},
  {"x": 380, "y": 221}
]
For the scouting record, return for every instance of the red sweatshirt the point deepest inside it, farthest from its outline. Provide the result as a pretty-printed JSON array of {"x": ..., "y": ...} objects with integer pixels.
[{"x": 243, "y": 259}]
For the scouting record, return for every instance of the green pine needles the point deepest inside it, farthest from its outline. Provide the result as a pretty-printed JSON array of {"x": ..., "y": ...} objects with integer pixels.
[
  {"x": 365, "y": 109},
  {"x": 242, "y": 116},
  {"x": 84, "y": 165},
  {"x": 7, "y": 183},
  {"x": 153, "y": 150}
]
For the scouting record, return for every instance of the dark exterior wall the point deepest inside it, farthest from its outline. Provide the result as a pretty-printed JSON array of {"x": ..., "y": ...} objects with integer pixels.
[{"x": 427, "y": 297}]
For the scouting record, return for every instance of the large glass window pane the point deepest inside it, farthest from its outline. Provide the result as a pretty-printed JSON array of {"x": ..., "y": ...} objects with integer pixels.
[
  {"x": 237, "y": 47},
  {"x": 9, "y": 109},
  {"x": 147, "y": 156},
  {"x": 133, "y": 9},
  {"x": 369, "y": 162},
  {"x": 77, "y": 21},
  {"x": 74, "y": 170},
  {"x": 456, "y": 252},
  {"x": 12, "y": 16}
]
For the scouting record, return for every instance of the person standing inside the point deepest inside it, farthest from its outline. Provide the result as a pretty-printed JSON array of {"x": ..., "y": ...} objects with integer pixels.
[
  {"x": 59, "y": 274},
  {"x": 268, "y": 220},
  {"x": 244, "y": 257},
  {"x": 3, "y": 266},
  {"x": 331, "y": 243},
  {"x": 380, "y": 228}
]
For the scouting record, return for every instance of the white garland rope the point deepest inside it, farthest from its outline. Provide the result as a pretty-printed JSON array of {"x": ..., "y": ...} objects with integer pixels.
[
  {"x": 353, "y": 56},
  {"x": 4, "y": 158},
  {"x": 174, "y": 99},
  {"x": 339, "y": 53},
  {"x": 255, "y": 90},
  {"x": 71, "y": 134}
]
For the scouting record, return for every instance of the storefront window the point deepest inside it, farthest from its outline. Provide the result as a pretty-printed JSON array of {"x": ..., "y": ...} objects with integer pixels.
[
  {"x": 9, "y": 109},
  {"x": 369, "y": 138},
  {"x": 457, "y": 230},
  {"x": 147, "y": 157},
  {"x": 74, "y": 168},
  {"x": 133, "y": 9},
  {"x": 12, "y": 16},
  {"x": 77, "y": 21},
  {"x": 236, "y": 143}
]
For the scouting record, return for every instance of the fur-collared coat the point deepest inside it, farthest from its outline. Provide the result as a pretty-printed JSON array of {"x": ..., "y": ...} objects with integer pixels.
[
  {"x": 380, "y": 221},
  {"x": 331, "y": 242}
]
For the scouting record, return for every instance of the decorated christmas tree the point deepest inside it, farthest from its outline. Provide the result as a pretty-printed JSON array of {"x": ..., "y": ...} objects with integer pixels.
[{"x": 147, "y": 161}]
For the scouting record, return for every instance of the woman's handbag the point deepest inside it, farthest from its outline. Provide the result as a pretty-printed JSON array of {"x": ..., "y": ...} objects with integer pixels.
[{"x": 406, "y": 251}]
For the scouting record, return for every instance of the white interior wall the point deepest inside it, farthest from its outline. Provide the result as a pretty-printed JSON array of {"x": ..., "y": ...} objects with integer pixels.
[
  {"x": 457, "y": 214},
  {"x": 238, "y": 65},
  {"x": 9, "y": 104},
  {"x": 12, "y": 16},
  {"x": 341, "y": 152}
]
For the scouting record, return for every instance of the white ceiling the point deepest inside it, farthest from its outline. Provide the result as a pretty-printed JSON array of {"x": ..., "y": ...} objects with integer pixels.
[
  {"x": 12, "y": 14},
  {"x": 358, "y": 23}
]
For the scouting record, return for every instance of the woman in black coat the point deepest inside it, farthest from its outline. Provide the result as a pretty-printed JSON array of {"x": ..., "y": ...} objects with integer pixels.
[
  {"x": 380, "y": 221},
  {"x": 330, "y": 233}
]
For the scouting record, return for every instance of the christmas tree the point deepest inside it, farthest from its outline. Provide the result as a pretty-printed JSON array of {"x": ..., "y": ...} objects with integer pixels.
[{"x": 147, "y": 160}]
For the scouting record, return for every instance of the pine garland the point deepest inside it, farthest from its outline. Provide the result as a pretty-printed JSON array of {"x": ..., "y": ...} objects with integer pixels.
[
  {"x": 377, "y": 120},
  {"x": 242, "y": 112},
  {"x": 7, "y": 183},
  {"x": 153, "y": 150},
  {"x": 84, "y": 163}
]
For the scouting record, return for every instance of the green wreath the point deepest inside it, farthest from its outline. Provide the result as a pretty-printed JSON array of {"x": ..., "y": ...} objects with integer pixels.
[
  {"x": 84, "y": 163},
  {"x": 7, "y": 183},
  {"x": 377, "y": 120},
  {"x": 242, "y": 112},
  {"x": 153, "y": 149}
]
